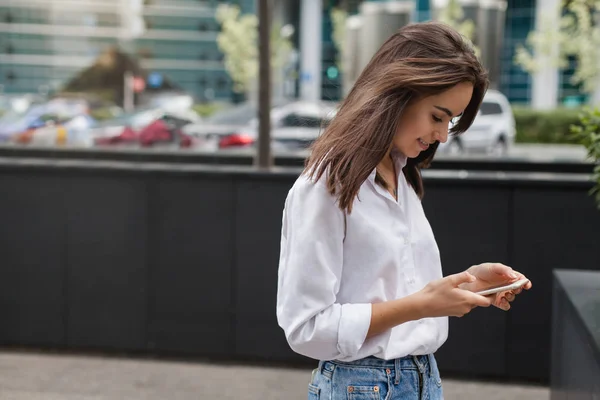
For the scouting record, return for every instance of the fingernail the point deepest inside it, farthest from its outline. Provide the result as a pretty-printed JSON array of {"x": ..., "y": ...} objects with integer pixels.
[{"x": 513, "y": 275}]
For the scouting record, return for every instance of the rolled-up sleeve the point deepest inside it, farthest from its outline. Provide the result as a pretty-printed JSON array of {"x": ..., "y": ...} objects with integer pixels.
[{"x": 310, "y": 271}]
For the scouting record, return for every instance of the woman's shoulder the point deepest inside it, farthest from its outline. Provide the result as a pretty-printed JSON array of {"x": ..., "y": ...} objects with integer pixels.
[
  {"x": 307, "y": 182},
  {"x": 310, "y": 187}
]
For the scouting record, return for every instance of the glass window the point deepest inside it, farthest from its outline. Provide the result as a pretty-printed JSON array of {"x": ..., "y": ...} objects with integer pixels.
[
  {"x": 302, "y": 121},
  {"x": 490, "y": 108}
]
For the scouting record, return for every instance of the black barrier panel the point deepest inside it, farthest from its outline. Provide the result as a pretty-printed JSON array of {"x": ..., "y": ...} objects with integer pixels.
[
  {"x": 554, "y": 227},
  {"x": 33, "y": 248},
  {"x": 191, "y": 250},
  {"x": 260, "y": 207},
  {"x": 183, "y": 258},
  {"x": 107, "y": 280},
  {"x": 575, "y": 352},
  {"x": 471, "y": 226}
]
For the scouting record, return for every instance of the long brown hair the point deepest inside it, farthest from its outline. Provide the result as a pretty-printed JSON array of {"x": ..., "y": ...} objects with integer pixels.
[{"x": 419, "y": 60}]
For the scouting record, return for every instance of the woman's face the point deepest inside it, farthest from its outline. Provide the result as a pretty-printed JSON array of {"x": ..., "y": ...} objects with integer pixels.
[{"x": 426, "y": 121}]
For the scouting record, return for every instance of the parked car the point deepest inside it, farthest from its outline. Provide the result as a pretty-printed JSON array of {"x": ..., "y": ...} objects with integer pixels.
[
  {"x": 228, "y": 128},
  {"x": 297, "y": 125},
  {"x": 294, "y": 125},
  {"x": 492, "y": 132},
  {"x": 146, "y": 128},
  {"x": 54, "y": 130},
  {"x": 39, "y": 115}
]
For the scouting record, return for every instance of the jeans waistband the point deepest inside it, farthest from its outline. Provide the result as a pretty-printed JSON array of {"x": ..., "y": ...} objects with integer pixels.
[
  {"x": 422, "y": 363},
  {"x": 404, "y": 362}
]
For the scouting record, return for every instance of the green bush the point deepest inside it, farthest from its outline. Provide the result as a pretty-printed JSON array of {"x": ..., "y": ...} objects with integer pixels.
[
  {"x": 587, "y": 132},
  {"x": 552, "y": 126}
]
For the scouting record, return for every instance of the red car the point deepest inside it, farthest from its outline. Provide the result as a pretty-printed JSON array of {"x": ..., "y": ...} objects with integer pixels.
[{"x": 165, "y": 130}]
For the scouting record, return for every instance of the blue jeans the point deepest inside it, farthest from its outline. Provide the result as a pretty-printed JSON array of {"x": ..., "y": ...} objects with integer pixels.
[{"x": 371, "y": 378}]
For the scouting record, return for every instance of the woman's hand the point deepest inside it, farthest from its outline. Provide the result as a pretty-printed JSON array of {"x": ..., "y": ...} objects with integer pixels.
[
  {"x": 445, "y": 297},
  {"x": 493, "y": 274}
]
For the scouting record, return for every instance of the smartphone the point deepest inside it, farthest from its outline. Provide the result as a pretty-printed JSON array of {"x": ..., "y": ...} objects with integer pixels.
[{"x": 504, "y": 288}]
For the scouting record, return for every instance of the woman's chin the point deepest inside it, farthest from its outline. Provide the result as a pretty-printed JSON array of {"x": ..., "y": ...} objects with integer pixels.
[{"x": 415, "y": 153}]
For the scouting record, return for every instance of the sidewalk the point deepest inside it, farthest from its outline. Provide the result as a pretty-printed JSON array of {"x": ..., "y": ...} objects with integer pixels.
[{"x": 33, "y": 376}]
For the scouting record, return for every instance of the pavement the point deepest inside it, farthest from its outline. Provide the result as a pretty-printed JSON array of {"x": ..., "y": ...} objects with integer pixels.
[{"x": 52, "y": 376}]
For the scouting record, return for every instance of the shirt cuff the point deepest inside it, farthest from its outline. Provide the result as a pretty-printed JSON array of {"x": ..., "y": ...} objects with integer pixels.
[{"x": 354, "y": 325}]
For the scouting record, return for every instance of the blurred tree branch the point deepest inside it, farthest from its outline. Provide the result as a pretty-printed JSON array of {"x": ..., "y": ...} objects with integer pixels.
[
  {"x": 338, "y": 21},
  {"x": 576, "y": 35},
  {"x": 587, "y": 132},
  {"x": 453, "y": 15},
  {"x": 238, "y": 40}
]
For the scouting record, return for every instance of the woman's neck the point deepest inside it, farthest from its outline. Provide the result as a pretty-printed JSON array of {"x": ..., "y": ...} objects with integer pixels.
[{"x": 387, "y": 163}]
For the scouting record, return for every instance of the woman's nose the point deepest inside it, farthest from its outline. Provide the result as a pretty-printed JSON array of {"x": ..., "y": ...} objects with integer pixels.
[{"x": 442, "y": 136}]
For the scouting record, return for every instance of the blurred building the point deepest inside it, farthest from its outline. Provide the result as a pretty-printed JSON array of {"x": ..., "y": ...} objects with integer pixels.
[
  {"x": 500, "y": 26},
  {"x": 44, "y": 43}
]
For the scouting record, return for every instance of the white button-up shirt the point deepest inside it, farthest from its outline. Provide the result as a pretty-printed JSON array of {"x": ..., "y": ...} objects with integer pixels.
[{"x": 331, "y": 271}]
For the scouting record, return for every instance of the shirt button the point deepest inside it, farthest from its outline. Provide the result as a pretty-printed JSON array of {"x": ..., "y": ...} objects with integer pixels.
[{"x": 407, "y": 240}]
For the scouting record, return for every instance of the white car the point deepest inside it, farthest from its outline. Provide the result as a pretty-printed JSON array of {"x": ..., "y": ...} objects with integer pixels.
[
  {"x": 492, "y": 132},
  {"x": 294, "y": 126}
]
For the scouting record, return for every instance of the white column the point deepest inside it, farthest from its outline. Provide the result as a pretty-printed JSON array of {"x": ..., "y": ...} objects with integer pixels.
[
  {"x": 595, "y": 97},
  {"x": 311, "y": 23},
  {"x": 544, "y": 85}
]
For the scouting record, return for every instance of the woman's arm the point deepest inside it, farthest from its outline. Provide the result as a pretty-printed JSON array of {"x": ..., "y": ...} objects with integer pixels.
[
  {"x": 439, "y": 298},
  {"x": 310, "y": 272},
  {"x": 385, "y": 316}
]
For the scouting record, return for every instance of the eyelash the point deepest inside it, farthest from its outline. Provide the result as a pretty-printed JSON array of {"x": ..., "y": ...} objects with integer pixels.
[{"x": 436, "y": 119}]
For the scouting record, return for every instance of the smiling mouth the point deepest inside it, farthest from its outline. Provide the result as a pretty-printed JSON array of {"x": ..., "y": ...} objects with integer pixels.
[{"x": 423, "y": 143}]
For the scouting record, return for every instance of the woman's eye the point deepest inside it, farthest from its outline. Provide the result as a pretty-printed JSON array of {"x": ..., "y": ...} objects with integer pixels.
[{"x": 436, "y": 119}]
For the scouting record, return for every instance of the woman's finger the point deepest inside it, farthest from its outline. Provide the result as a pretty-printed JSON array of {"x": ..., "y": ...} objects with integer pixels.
[
  {"x": 501, "y": 269},
  {"x": 527, "y": 286},
  {"x": 504, "y": 304}
]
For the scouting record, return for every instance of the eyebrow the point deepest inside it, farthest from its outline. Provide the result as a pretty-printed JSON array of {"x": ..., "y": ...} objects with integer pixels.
[{"x": 450, "y": 113}]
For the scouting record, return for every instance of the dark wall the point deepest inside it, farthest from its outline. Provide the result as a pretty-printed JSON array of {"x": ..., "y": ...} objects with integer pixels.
[
  {"x": 471, "y": 225},
  {"x": 183, "y": 259}
]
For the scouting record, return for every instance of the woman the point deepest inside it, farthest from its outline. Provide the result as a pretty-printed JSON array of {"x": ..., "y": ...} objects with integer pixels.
[{"x": 360, "y": 280}]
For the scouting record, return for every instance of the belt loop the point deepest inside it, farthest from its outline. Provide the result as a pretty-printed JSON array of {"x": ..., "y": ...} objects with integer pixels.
[
  {"x": 397, "y": 371},
  {"x": 419, "y": 364},
  {"x": 430, "y": 360},
  {"x": 326, "y": 368}
]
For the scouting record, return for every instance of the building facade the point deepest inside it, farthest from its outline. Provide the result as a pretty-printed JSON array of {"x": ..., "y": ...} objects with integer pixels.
[{"x": 44, "y": 43}]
